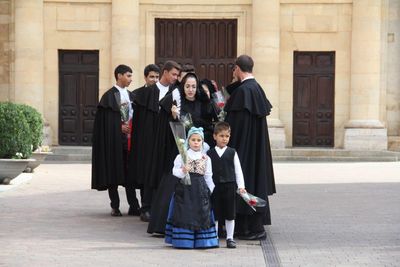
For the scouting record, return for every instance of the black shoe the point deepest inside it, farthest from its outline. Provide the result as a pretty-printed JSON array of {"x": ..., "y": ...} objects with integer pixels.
[
  {"x": 241, "y": 235},
  {"x": 133, "y": 211},
  {"x": 253, "y": 236},
  {"x": 230, "y": 243},
  {"x": 145, "y": 216},
  {"x": 116, "y": 212}
]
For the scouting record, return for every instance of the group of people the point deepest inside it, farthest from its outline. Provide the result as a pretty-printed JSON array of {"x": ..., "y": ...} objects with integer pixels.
[{"x": 134, "y": 147}]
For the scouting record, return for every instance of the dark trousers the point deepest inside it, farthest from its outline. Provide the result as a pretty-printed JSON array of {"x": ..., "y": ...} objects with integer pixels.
[
  {"x": 130, "y": 190},
  {"x": 130, "y": 196},
  {"x": 147, "y": 197}
]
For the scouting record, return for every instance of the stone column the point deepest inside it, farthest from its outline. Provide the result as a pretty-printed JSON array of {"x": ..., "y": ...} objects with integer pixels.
[
  {"x": 125, "y": 38},
  {"x": 364, "y": 130},
  {"x": 265, "y": 52},
  {"x": 29, "y": 49}
]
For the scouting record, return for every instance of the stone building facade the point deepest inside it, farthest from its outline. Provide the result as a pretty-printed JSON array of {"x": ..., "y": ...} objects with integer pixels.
[{"x": 329, "y": 67}]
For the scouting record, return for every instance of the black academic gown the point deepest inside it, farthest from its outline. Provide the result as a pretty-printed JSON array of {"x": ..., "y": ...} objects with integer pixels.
[
  {"x": 203, "y": 115},
  {"x": 144, "y": 126},
  {"x": 108, "y": 144},
  {"x": 247, "y": 109},
  {"x": 161, "y": 178}
]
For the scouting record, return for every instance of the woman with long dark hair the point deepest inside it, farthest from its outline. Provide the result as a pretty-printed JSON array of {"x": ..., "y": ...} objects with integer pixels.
[{"x": 180, "y": 102}]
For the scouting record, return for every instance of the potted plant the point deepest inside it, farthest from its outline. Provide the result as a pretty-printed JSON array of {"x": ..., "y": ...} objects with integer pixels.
[
  {"x": 15, "y": 141},
  {"x": 35, "y": 122},
  {"x": 39, "y": 155}
]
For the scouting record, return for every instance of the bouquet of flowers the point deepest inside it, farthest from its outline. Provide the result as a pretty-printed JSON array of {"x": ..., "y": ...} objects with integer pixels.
[
  {"x": 178, "y": 129},
  {"x": 124, "y": 111},
  {"x": 219, "y": 98},
  {"x": 187, "y": 121},
  {"x": 252, "y": 200}
]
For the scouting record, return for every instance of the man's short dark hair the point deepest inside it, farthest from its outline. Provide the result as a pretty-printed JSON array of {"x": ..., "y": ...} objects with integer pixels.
[
  {"x": 170, "y": 64},
  {"x": 121, "y": 69},
  {"x": 188, "y": 68},
  {"x": 151, "y": 67},
  {"x": 245, "y": 63},
  {"x": 221, "y": 126}
]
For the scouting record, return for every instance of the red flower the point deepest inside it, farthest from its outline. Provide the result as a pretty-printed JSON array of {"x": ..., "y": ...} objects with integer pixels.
[
  {"x": 220, "y": 104},
  {"x": 252, "y": 202}
]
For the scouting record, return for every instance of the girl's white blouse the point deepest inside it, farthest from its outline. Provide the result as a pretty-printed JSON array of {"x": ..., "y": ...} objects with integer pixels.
[{"x": 178, "y": 164}]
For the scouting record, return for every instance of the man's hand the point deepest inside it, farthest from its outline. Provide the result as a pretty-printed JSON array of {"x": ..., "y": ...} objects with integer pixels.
[
  {"x": 125, "y": 128},
  {"x": 174, "y": 111}
]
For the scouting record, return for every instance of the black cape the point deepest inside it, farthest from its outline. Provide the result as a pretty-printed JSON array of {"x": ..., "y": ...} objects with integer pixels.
[
  {"x": 247, "y": 109},
  {"x": 165, "y": 149},
  {"x": 108, "y": 143},
  {"x": 143, "y": 134}
]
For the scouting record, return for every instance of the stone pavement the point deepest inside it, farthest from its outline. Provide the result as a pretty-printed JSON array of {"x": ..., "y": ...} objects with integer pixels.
[{"x": 325, "y": 214}]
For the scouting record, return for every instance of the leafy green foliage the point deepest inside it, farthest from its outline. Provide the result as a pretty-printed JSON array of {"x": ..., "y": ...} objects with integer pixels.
[
  {"x": 35, "y": 121},
  {"x": 15, "y": 133}
]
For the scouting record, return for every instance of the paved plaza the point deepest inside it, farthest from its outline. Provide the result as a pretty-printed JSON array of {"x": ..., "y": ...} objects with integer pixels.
[{"x": 324, "y": 214}]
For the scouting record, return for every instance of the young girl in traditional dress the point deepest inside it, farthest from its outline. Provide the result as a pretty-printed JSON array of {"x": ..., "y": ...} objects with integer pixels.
[{"x": 190, "y": 222}]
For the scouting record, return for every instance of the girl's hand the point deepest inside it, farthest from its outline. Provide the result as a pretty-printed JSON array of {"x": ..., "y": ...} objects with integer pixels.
[
  {"x": 174, "y": 111},
  {"x": 185, "y": 169},
  {"x": 242, "y": 191}
]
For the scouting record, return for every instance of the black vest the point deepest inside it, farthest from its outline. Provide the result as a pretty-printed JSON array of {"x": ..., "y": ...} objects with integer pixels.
[{"x": 223, "y": 168}]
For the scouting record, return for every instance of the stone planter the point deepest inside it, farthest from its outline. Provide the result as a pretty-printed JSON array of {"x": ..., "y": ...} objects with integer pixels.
[
  {"x": 11, "y": 168},
  {"x": 39, "y": 158}
]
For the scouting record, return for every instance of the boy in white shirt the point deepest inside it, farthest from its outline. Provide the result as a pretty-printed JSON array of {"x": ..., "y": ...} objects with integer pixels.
[{"x": 227, "y": 177}]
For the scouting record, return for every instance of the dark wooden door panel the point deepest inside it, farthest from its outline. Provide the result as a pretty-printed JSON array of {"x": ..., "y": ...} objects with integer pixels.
[
  {"x": 209, "y": 45},
  {"x": 313, "y": 99},
  {"x": 78, "y": 86}
]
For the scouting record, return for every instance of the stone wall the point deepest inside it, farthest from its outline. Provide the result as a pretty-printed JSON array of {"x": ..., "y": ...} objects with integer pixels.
[
  {"x": 316, "y": 27},
  {"x": 393, "y": 69},
  {"x": 74, "y": 26},
  {"x": 5, "y": 49}
]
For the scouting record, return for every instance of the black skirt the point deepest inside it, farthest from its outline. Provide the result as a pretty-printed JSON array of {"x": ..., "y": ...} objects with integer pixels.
[{"x": 192, "y": 204}]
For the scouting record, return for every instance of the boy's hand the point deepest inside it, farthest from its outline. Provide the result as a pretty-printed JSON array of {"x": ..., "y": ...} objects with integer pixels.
[{"x": 242, "y": 191}]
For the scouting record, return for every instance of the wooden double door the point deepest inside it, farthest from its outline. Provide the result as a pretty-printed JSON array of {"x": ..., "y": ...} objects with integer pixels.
[
  {"x": 209, "y": 45},
  {"x": 78, "y": 96},
  {"x": 313, "y": 99}
]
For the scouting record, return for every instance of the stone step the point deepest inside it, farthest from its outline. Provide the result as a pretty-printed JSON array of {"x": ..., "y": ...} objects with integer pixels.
[
  {"x": 70, "y": 154},
  {"x": 83, "y": 154},
  {"x": 329, "y": 152}
]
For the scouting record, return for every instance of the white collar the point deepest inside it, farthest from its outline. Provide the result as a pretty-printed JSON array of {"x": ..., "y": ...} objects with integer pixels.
[
  {"x": 119, "y": 88},
  {"x": 217, "y": 148},
  {"x": 248, "y": 78},
  {"x": 160, "y": 85}
]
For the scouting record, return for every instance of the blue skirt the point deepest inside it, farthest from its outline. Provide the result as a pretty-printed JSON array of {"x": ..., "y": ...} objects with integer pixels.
[{"x": 185, "y": 238}]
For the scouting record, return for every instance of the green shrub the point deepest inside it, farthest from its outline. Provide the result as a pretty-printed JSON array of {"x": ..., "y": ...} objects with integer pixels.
[
  {"x": 15, "y": 135},
  {"x": 35, "y": 121}
]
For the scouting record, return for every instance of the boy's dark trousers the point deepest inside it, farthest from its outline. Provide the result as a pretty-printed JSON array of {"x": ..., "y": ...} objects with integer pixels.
[{"x": 130, "y": 190}]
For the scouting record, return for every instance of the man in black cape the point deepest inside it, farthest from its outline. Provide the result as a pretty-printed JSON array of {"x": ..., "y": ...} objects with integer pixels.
[
  {"x": 111, "y": 132},
  {"x": 247, "y": 109},
  {"x": 145, "y": 128}
]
